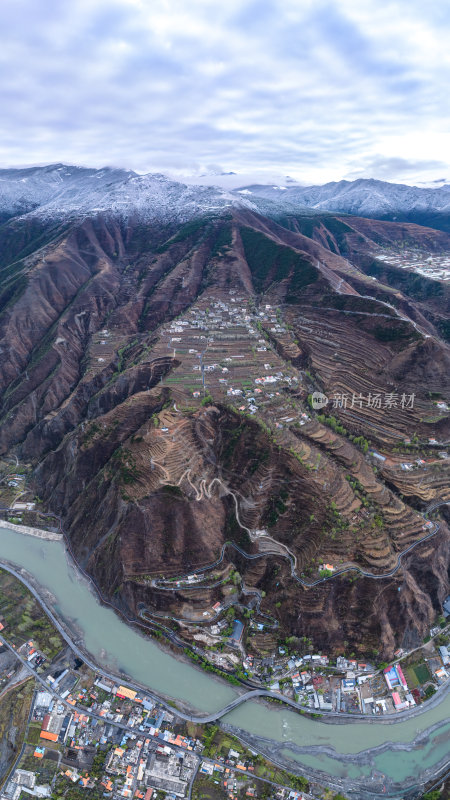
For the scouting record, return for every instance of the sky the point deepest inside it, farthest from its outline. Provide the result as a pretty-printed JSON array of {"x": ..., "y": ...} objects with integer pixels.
[{"x": 315, "y": 89}]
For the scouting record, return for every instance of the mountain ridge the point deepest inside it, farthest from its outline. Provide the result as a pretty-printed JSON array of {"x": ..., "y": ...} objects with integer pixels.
[
  {"x": 152, "y": 371},
  {"x": 64, "y": 191}
]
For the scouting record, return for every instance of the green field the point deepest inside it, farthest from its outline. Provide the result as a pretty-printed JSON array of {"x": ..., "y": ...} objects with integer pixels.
[
  {"x": 34, "y": 734},
  {"x": 44, "y": 768},
  {"x": 417, "y": 674},
  {"x": 14, "y": 708},
  {"x": 24, "y": 618},
  {"x": 422, "y": 672},
  {"x": 205, "y": 788}
]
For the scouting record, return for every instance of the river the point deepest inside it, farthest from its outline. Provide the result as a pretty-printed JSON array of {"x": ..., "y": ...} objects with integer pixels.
[{"x": 116, "y": 646}]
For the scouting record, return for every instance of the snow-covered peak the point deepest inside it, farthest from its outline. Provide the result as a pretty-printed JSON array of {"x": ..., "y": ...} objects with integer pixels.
[
  {"x": 365, "y": 197},
  {"x": 59, "y": 191},
  {"x": 22, "y": 190}
]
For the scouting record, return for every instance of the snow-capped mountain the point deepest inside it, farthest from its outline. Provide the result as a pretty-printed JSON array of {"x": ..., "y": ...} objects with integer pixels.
[
  {"x": 59, "y": 191},
  {"x": 23, "y": 190},
  {"x": 363, "y": 197}
]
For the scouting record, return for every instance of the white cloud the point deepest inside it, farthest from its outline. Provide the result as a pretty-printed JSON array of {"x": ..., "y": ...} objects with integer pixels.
[{"x": 318, "y": 89}]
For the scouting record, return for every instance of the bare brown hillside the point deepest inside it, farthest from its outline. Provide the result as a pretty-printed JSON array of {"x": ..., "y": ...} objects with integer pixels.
[{"x": 155, "y": 387}]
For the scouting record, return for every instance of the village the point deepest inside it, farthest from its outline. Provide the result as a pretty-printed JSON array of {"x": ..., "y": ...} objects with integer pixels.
[
  {"x": 110, "y": 740},
  {"x": 436, "y": 266},
  {"x": 344, "y": 684},
  {"x": 106, "y": 739},
  {"x": 233, "y": 357}
]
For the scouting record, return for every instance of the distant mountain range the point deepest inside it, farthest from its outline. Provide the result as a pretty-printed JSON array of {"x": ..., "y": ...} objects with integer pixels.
[
  {"x": 363, "y": 197},
  {"x": 58, "y": 190}
]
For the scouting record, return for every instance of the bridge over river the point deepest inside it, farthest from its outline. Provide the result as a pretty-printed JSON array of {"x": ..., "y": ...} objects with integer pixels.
[{"x": 366, "y": 757}]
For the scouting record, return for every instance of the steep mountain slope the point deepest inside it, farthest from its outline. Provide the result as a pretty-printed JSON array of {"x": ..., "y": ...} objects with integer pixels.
[
  {"x": 403, "y": 256},
  {"x": 155, "y": 380}
]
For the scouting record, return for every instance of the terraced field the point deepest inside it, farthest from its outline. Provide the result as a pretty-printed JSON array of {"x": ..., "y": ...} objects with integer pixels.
[{"x": 163, "y": 402}]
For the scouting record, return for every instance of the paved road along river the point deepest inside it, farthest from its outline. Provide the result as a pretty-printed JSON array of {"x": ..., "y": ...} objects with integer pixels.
[{"x": 343, "y": 750}]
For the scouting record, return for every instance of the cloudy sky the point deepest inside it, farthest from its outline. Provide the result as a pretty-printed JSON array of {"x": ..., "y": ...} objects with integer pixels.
[{"x": 316, "y": 89}]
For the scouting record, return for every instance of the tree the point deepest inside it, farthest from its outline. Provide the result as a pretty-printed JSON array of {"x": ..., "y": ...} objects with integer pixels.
[
  {"x": 325, "y": 573},
  {"x": 299, "y": 782},
  {"x": 99, "y": 763},
  {"x": 208, "y": 736}
]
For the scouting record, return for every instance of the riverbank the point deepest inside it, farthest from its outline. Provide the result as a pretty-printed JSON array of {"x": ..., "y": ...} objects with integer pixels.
[
  {"x": 168, "y": 641},
  {"x": 71, "y": 628},
  {"x": 288, "y": 755},
  {"x": 165, "y": 639},
  {"x": 73, "y": 636},
  {"x": 72, "y": 633},
  {"x": 39, "y": 533},
  {"x": 112, "y": 648}
]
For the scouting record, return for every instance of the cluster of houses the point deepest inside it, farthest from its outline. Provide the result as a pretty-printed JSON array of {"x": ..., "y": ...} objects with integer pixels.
[
  {"x": 143, "y": 755},
  {"x": 144, "y": 750},
  {"x": 436, "y": 266},
  {"x": 344, "y": 685},
  {"x": 237, "y": 776},
  {"x": 30, "y": 652},
  {"x": 227, "y": 324}
]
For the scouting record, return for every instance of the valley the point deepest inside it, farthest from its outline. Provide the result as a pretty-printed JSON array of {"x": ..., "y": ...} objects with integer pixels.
[
  {"x": 234, "y": 416},
  {"x": 165, "y": 379}
]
